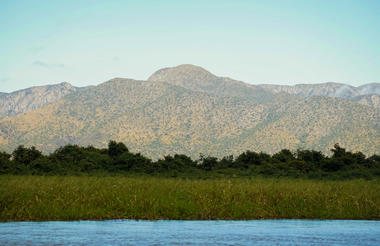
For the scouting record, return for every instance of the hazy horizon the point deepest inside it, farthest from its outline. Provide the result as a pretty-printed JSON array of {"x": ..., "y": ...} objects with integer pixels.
[{"x": 288, "y": 42}]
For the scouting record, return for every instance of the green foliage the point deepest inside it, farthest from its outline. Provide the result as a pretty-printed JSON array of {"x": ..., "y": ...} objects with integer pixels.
[
  {"x": 250, "y": 158},
  {"x": 310, "y": 156},
  {"x": 5, "y": 162},
  {"x": 75, "y": 160},
  {"x": 129, "y": 161},
  {"x": 43, "y": 165},
  {"x": 208, "y": 163},
  {"x": 338, "y": 151},
  {"x": 116, "y": 149},
  {"x": 284, "y": 155},
  {"x": 100, "y": 198},
  {"x": 24, "y": 156},
  {"x": 176, "y": 162}
]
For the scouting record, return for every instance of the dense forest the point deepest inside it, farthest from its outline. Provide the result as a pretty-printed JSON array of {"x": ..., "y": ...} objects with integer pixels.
[{"x": 118, "y": 160}]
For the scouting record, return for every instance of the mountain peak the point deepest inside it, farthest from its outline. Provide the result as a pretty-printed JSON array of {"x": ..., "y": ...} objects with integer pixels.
[
  {"x": 184, "y": 72},
  {"x": 65, "y": 84}
]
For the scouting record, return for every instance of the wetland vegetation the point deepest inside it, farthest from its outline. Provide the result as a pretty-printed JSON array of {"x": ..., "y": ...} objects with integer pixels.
[
  {"x": 24, "y": 198},
  {"x": 86, "y": 183}
]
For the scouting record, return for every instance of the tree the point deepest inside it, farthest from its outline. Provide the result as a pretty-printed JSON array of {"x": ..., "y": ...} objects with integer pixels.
[
  {"x": 178, "y": 162},
  {"x": 116, "y": 149},
  {"x": 338, "y": 151},
  {"x": 207, "y": 163},
  {"x": 43, "y": 165},
  {"x": 248, "y": 158},
  {"x": 5, "y": 162},
  {"x": 284, "y": 155},
  {"x": 25, "y": 156},
  {"x": 373, "y": 161},
  {"x": 310, "y": 156},
  {"x": 226, "y": 162},
  {"x": 129, "y": 161},
  {"x": 313, "y": 158},
  {"x": 299, "y": 165}
]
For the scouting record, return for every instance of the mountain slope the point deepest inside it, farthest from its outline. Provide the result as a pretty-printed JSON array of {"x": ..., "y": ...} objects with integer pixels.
[
  {"x": 198, "y": 79},
  {"x": 336, "y": 90},
  {"x": 29, "y": 99},
  {"x": 372, "y": 100},
  {"x": 173, "y": 115},
  {"x": 156, "y": 116}
]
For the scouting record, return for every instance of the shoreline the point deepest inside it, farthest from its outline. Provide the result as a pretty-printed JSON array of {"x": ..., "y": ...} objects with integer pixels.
[{"x": 187, "y": 220}]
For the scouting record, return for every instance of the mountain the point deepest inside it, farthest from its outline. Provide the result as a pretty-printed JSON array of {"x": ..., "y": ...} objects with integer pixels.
[
  {"x": 365, "y": 94},
  {"x": 198, "y": 79},
  {"x": 372, "y": 100},
  {"x": 186, "y": 109},
  {"x": 29, "y": 99}
]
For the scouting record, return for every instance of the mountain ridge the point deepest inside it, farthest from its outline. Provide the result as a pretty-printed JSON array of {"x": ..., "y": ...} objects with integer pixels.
[
  {"x": 159, "y": 117},
  {"x": 32, "y": 98},
  {"x": 187, "y": 76},
  {"x": 331, "y": 89}
]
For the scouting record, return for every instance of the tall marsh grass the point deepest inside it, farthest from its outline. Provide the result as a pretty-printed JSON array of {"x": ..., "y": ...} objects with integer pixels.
[{"x": 98, "y": 198}]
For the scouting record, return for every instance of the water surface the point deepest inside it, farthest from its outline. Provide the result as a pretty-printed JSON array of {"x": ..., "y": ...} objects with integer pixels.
[{"x": 130, "y": 232}]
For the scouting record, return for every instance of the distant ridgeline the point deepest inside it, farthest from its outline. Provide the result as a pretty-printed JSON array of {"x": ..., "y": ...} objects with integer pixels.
[
  {"x": 117, "y": 159},
  {"x": 186, "y": 109}
]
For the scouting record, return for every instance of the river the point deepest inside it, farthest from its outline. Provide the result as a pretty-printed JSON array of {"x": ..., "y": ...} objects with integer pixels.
[{"x": 131, "y": 232}]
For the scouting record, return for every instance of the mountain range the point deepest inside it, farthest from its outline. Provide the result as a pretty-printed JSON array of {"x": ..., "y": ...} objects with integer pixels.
[
  {"x": 29, "y": 99},
  {"x": 186, "y": 109},
  {"x": 368, "y": 94}
]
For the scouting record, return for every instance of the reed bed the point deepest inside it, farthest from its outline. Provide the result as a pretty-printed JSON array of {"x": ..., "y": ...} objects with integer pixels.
[{"x": 40, "y": 198}]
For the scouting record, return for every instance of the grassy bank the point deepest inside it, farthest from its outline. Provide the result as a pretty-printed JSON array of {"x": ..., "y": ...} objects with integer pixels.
[{"x": 75, "y": 198}]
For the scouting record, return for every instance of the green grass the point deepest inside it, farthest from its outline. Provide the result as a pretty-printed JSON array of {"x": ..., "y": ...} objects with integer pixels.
[{"x": 97, "y": 198}]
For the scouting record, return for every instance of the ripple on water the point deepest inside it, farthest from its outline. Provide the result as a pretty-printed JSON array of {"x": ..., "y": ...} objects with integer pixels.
[{"x": 131, "y": 232}]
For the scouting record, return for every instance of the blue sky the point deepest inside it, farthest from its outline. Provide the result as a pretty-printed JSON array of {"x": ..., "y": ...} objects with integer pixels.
[{"x": 284, "y": 42}]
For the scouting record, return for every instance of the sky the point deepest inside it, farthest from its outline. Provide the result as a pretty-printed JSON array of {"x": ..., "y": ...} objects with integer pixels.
[{"x": 87, "y": 42}]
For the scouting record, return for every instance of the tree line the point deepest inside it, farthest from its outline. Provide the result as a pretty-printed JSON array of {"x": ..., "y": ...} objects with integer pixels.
[{"x": 117, "y": 159}]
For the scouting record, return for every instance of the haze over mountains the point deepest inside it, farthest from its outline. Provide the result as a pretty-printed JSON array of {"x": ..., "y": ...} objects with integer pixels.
[{"x": 186, "y": 109}]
